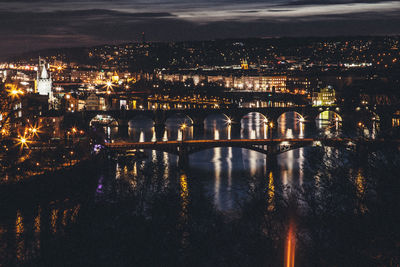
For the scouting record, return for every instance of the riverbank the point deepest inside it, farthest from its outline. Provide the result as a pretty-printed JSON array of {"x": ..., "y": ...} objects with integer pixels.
[{"x": 70, "y": 181}]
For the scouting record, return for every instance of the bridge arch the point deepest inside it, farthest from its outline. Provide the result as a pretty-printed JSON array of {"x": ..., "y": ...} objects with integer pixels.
[
  {"x": 327, "y": 118},
  {"x": 214, "y": 118},
  {"x": 254, "y": 118},
  {"x": 141, "y": 121},
  {"x": 103, "y": 120},
  {"x": 178, "y": 119},
  {"x": 298, "y": 117}
]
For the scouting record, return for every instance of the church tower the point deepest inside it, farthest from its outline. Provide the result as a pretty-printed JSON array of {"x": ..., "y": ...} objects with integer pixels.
[{"x": 43, "y": 81}]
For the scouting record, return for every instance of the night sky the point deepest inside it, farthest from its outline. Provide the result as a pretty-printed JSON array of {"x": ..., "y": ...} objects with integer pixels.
[{"x": 31, "y": 24}]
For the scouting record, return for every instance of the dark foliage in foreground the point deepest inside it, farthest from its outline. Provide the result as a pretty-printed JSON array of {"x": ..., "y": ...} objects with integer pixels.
[{"x": 345, "y": 212}]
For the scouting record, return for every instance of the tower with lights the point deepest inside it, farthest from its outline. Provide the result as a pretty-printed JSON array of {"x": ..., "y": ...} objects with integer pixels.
[{"x": 44, "y": 82}]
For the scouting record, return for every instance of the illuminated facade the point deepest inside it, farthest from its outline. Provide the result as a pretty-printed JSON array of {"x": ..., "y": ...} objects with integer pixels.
[
  {"x": 244, "y": 65},
  {"x": 94, "y": 102},
  {"x": 326, "y": 97},
  {"x": 245, "y": 82}
]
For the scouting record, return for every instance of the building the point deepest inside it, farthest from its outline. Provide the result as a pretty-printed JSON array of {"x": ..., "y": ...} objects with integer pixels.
[
  {"x": 51, "y": 126},
  {"x": 44, "y": 82},
  {"x": 325, "y": 97},
  {"x": 94, "y": 102},
  {"x": 27, "y": 110},
  {"x": 234, "y": 81}
]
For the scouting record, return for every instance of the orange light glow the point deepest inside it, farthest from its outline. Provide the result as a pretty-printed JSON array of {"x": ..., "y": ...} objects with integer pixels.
[
  {"x": 290, "y": 246},
  {"x": 23, "y": 141}
]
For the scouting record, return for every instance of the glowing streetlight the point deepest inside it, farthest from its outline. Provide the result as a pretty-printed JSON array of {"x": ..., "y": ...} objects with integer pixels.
[
  {"x": 34, "y": 130},
  {"x": 15, "y": 92},
  {"x": 109, "y": 85},
  {"x": 23, "y": 141},
  {"x": 183, "y": 127}
]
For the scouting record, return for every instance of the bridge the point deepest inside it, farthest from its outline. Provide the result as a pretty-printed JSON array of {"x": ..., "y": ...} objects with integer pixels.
[
  {"x": 196, "y": 117},
  {"x": 270, "y": 147}
]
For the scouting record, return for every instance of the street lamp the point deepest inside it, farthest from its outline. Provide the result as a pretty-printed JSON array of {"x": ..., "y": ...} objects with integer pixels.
[
  {"x": 183, "y": 127},
  {"x": 271, "y": 125}
]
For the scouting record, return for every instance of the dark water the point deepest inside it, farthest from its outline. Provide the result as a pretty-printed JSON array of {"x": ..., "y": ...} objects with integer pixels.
[{"x": 226, "y": 174}]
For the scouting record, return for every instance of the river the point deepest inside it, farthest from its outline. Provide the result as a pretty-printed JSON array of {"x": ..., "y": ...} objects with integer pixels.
[{"x": 227, "y": 174}]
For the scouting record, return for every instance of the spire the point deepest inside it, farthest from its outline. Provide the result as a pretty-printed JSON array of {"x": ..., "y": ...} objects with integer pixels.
[{"x": 43, "y": 73}]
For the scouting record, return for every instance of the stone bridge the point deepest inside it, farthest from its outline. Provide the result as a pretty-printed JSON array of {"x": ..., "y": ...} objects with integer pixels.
[
  {"x": 270, "y": 147},
  {"x": 306, "y": 114}
]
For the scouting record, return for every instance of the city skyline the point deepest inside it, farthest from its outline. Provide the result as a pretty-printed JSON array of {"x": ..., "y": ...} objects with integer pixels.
[{"x": 35, "y": 25}]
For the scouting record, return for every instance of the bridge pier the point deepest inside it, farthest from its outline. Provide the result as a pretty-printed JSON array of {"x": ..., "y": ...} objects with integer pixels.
[
  {"x": 198, "y": 131},
  {"x": 362, "y": 153},
  {"x": 160, "y": 130},
  {"x": 235, "y": 130},
  {"x": 183, "y": 157},
  {"x": 272, "y": 160},
  {"x": 123, "y": 128}
]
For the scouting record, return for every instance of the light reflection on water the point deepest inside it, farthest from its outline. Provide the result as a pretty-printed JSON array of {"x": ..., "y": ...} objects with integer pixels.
[
  {"x": 24, "y": 230},
  {"x": 225, "y": 172}
]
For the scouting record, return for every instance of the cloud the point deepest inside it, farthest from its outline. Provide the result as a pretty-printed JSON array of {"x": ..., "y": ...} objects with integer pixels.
[
  {"x": 65, "y": 23},
  {"x": 332, "y": 2}
]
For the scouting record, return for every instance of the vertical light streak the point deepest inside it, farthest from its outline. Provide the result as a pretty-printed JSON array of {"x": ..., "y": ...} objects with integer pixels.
[
  {"x": 165, "y": 136},
  {"x": 53, "y": 220},
  {"x": 216, "y": 134},
  {"x": 184, "y": 207},
  {"x": 141, "y": 137},
  {"x": 20, "y": 242},
  {"x": 217, "y": 167},
  {"x": 290, "y": 247},
  {"x": 360, "y": 185},
  {"x": 37, "y": 228},
  {"x": 75, "y": 213},
  {"x": 180, "y": 135},
  {"x": 271, "y": 192},
  {"x": 154, "y": 138}
]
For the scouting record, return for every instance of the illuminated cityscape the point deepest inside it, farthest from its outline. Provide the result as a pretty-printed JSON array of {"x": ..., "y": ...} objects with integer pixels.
[{"x": 216, "y": 147}]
